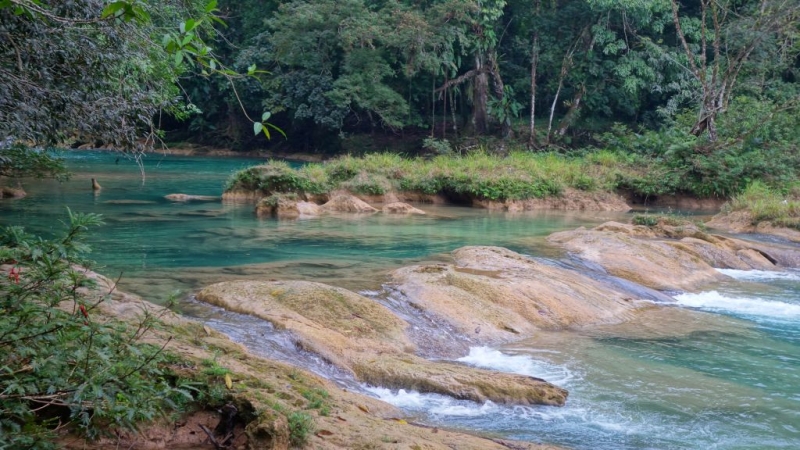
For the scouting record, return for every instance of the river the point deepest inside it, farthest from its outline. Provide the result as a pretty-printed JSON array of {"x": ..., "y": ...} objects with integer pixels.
[{"x": 720, "y": 370}]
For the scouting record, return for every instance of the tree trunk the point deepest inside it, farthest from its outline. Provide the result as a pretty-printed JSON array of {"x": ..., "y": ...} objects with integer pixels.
[
  {"x": 569, "y": 117},
  {"x": 480, "y": 97},
  {"x": 534, "y": 67},
  {"x": 499, "y": 92}
]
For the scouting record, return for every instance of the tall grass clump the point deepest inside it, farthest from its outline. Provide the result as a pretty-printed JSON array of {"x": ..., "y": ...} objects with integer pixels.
[
  {"x": 279, "y": 177},
  {"x": 767, "y": 204},
  {"x": 481, "y": 175}
]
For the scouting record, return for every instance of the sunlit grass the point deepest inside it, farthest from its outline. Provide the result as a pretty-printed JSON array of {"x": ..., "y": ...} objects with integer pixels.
[
  {"x": 519, "y": 175},
  {"x": 767, "y": 204}
]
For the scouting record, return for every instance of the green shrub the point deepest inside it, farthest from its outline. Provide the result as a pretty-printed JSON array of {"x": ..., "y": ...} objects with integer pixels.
[
  {"x": 437, "y": 146},
  {"x": 301, "y": 425},
  {"x": 647, "y": 220},
  {"x": 18, "y": 160},
  {"x": 62, "y": 366},
  {"x": 767, "y": 204}
]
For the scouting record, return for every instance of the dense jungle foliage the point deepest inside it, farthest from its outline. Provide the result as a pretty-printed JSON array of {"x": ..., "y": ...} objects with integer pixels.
[
  {"x": 705, "y": 89},
  {"x": 656, "y": 77},
  {"x": 544, "y": 73}
]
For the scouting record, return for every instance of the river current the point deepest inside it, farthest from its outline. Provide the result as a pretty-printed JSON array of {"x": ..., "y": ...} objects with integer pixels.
[{"x": 720, "y": 369}]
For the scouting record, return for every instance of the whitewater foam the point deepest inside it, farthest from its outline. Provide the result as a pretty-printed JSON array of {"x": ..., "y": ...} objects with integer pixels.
[
  {"x": 434, "y": 404},
  {"x": 759, "y": 275},
  {"x": 489, "y": 358},
  {"x": 714, "y": 301}
]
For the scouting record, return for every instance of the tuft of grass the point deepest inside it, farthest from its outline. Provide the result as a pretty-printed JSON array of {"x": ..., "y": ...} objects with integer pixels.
[
  {"x": 279, "y": 177},
  {"x": 482, "y": 175},
  {"x": 768, "y": 205},
  {"x": 301, "y": 425},
  {"x": 668, "y": 218}
]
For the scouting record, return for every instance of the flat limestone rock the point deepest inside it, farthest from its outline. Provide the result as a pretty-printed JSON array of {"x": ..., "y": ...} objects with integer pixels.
[
  {"x": 670, "y": 257},
  {"x": 347, "y": 204},
  {"x": 742, "y": 222},
  {"x": 495, "y": 295},
  {"x": 191, "y": 198},
  {"x": 401, "y": 208},
  {"x": 355, "y": 421},
  {"x": 360, "y": 335}
]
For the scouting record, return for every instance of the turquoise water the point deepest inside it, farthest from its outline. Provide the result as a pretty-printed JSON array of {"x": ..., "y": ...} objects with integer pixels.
[
  {"x": 161, "y": 247},
  {"x": 721, "y": 369}
]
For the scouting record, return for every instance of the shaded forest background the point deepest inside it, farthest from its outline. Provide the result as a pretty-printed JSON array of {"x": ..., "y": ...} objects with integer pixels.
[
  {"x": 353, "y": 75},
  {"x": 702, "y": 95}
]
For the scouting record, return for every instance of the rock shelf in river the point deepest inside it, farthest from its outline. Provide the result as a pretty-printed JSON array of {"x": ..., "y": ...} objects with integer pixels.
[
  {"x": 666, "y": 257},
  {"x": 359, "y": 334}
]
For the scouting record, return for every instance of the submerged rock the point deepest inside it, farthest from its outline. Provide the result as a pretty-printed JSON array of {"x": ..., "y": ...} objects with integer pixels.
[
  {"x": 9, "y": 192},
  {"x": 191, "y": 198},
  {"x": 401, "y": 208},
  {"x": 359, "y": 334},
  {"x": 347, "y": 203},
  {"x": 665, "y": 257}
]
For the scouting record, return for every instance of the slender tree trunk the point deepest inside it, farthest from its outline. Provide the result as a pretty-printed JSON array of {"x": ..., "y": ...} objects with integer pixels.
[
  {"x": 453, "y": 112},
  {"x": 569, "y": 117},
  {"x": 444, "y": 113},
  {"x": 433, "y": 107},
  {"x": 566, "y": 64},
  {"x": 534, "y": 67},
  {"x": 499, "y": 93}
]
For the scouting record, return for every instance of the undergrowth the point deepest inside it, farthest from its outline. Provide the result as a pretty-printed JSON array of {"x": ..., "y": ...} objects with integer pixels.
[
  {"x": 768, "y": 204},
  {"x": 518, "y": 176}
]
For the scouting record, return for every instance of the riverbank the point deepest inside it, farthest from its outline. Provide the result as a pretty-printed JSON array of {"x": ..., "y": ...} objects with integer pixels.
[
  {"x": 599, "y": 181},
  {"x": 487, "y": 296},
  {"x": 277, "y": 405}
]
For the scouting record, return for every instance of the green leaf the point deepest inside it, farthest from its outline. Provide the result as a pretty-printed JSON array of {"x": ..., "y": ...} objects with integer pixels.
[
  {"x": 186, "y": 39},
  {"x": 211, "y": 6},
  {"x": 183, "y": 27},
  {"x": 266, "y": 116},
  {"x": 190, "y": 25},
  {"x": 276, "y": 129},
  {"x": 251, "y": 70},
  {"x": 257, "y": 127},
  {"x": 178, "y": 57},
  {"x": 112, "y": 9}
]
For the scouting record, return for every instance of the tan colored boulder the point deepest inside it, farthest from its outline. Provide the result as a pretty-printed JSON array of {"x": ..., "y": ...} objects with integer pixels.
[
  {"x": 191, "y": 198},
  {"x": 287, "y": 208},
  {"x": 495, "y": 295},
  {"x": 742, "y": 222},
  {"x": 348, "y": 204},
  {"x": 360, "y": 335},
  {"x": 666, "y": 257},
  {"x": 265, "y": 392},
  {"x": 9, "y": 192},
  {"x": 401, "y": 208}
]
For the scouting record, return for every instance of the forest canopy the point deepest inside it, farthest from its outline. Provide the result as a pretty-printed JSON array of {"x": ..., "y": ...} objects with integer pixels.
[{"x": 547, "y": 73}]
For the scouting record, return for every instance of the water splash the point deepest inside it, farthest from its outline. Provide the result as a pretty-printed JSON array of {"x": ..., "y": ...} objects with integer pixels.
[
  {"x": 489, "y": 358},
  {"x": 759, "y": 275},
  {"x": 746, "y": 306}
]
